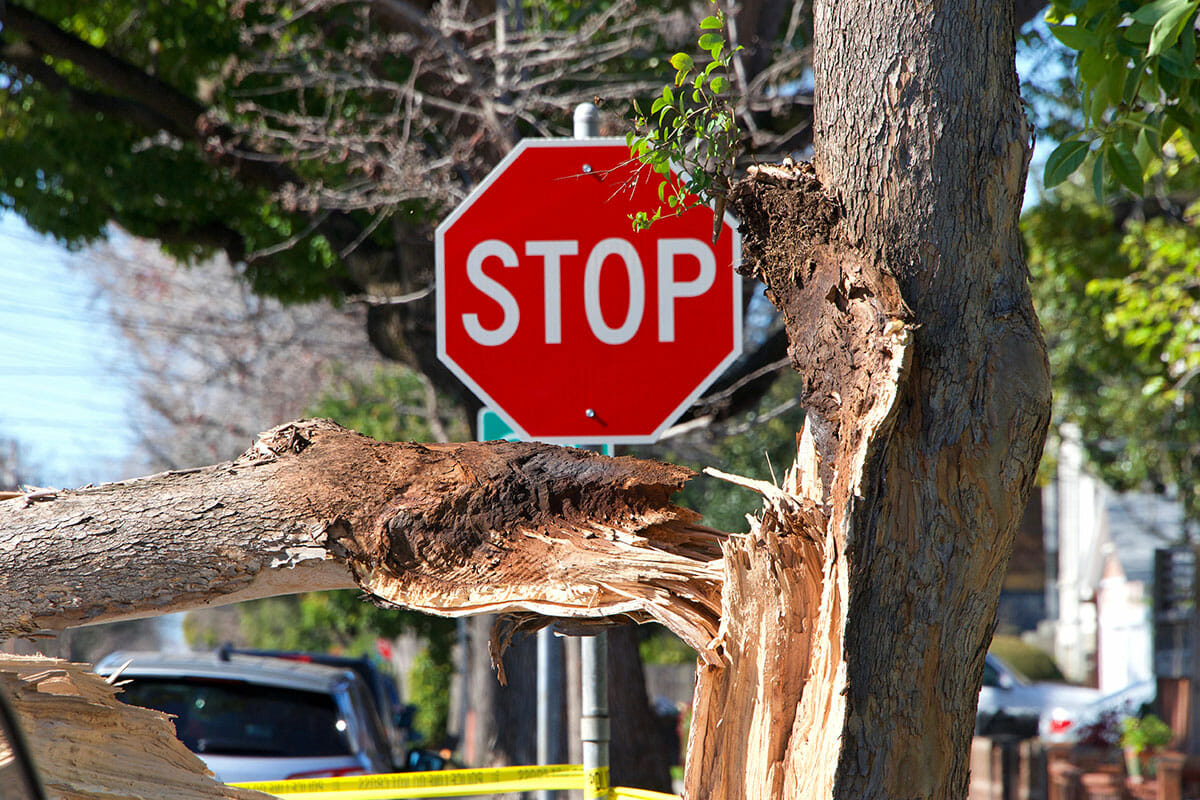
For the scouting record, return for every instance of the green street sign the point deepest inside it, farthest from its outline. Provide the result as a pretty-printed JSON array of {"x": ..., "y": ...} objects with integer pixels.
[{"x": 492, "y": 427}]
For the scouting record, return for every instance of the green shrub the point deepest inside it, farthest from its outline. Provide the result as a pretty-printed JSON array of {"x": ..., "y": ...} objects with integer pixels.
[
  {"x": 1145, "y": 733},
  {"x": 1026, "y": 659}
]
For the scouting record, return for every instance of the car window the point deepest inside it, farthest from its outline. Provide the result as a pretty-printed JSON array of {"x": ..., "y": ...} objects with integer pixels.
[
  {"x": 990, "y": 676},
  {"x": 228, "y": 717}
]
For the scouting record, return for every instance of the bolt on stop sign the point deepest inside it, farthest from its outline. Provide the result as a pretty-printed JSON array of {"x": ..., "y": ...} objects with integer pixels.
[{"x": 571, "y": 325}]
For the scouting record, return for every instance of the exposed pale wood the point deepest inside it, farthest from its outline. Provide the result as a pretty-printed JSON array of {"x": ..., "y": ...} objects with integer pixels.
[
  {"x": 87, "y": 745},
  {"x": 462, "y": 529}
]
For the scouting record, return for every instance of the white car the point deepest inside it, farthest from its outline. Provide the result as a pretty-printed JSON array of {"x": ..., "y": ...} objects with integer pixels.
[
  {"x": 259, "y": 719},
  {"x": 1098, "y": 722},
  {"x": 1009, "y": 703}
]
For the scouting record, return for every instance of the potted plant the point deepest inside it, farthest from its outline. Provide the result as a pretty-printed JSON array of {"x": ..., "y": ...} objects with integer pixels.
[{"x": 1140, "y": 737}]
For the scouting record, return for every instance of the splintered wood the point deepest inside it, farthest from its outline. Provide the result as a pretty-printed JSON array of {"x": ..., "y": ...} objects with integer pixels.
[{"x": 87, "y": 745}]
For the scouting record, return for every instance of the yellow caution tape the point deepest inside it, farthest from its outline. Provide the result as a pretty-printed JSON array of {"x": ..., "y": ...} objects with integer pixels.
[
  {"x": 625, "y": 793},
  {"x": 454, "y": 783},
  {"x": 440, "y": 783},
  {"x": 595, "y": 784}
]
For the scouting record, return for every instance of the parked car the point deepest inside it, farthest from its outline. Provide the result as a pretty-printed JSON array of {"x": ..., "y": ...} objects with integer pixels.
[
  {"x": 1009, "y": 703},
  {"x": 1098, "y": 722},
  {"x": 396, "y": 717},
  {"x": 251, "y": 718}
]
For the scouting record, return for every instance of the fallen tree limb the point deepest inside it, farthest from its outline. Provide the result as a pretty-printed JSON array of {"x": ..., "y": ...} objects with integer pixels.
[{"x": 533, "y": 530}]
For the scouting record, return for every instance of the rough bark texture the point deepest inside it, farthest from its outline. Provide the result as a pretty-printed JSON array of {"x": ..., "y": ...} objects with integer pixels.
[
  {"x": 530, "y": 530},
  {"x": 87, "y": 745},
  {"x": 857, "y": 612}
]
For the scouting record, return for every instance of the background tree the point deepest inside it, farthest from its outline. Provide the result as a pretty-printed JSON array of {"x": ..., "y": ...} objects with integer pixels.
[
  {"x": 1119, "y": 299},
  {"x": 211, "y": 363},
  {"x": 1111, "y": 245},
  {"x": 318, "y": 143}
]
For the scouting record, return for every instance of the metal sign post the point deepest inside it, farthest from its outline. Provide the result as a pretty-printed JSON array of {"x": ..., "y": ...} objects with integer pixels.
[{"x": 593, "y": 717}]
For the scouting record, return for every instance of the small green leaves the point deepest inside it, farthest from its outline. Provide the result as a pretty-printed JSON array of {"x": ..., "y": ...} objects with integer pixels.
[
  {"x": 1125, "y": 166},
  {"x": 1168, "y": 27},
  {"x": 1139, "y": 84},
  {"x": 1151, "y": 13},
  {"x": 692, "y": 130},
  {"x": 1065, "y": 159},
  {"x": 682, "y": 62},
  {"x": 1075, "y": 37}
]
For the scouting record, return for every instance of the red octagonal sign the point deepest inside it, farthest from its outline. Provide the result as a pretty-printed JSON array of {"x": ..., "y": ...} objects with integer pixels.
[{"x": 575, "y": 328}]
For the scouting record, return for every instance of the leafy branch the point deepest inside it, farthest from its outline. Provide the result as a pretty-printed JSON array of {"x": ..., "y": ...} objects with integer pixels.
[
  {"x": 1139, "y": 88},
  {"x": 690, "y": 135}
]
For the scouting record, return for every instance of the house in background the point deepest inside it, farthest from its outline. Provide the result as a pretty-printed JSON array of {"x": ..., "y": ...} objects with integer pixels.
[{"x": 1100, "y": 547}]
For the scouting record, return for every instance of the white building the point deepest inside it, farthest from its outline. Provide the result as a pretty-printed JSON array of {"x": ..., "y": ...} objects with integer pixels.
[{"x": 1102, "y": 544}]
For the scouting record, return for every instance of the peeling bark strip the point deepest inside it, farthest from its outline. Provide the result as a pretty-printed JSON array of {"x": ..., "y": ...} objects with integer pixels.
[
  {"x": 449, "y": 529},
  {"x": 845, "y": 318},
  {"x": 786, "y": 585}
]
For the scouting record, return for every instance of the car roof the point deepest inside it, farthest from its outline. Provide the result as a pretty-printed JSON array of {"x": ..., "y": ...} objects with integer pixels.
[{"x": 252, "y": 669}]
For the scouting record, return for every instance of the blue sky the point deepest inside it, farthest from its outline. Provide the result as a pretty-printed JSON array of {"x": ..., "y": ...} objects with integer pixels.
[{"x": 60, "y": 395}]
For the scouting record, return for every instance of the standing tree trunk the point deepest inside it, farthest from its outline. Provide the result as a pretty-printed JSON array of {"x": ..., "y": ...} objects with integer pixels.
[{"x": 857, "y": 613}]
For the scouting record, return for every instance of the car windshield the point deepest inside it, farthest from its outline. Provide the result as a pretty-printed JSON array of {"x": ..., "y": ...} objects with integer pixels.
[
  {"x": 993, "y": 667},
  {"x": 229, "y": 717}
]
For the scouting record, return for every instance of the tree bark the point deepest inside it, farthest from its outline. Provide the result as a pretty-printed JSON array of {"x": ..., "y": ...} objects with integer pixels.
[
  {"x": 856, "y": 615},
  {"x": 533, "y": 531}
]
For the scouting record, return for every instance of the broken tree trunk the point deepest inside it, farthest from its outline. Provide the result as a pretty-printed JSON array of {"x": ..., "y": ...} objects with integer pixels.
[
  {"x": 856, "y": 616},
  {"x": 535, "y": 531}
]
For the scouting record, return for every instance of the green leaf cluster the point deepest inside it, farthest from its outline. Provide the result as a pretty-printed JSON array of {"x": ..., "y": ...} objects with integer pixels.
[
  {"x": 1138, "y": 84},
  {"x": 690, "y": 135},
  {"x": 1145, "y": 733},
  {"x": 1120, "y": 306},
  {"x": 70, "y": 170}
]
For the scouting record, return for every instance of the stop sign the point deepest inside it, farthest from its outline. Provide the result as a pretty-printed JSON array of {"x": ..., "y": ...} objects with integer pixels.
[{"x": 561, "y": 317}]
